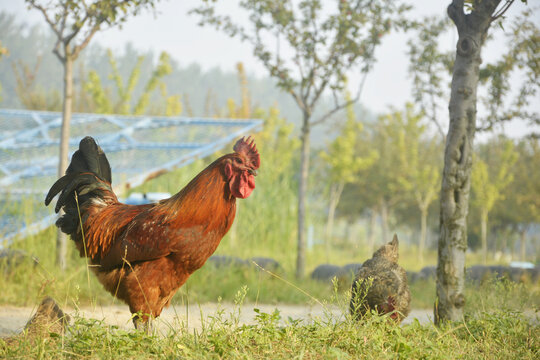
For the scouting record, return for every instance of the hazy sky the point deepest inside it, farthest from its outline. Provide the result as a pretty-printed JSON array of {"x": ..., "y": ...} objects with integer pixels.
[{"x": 171, "y": 29}]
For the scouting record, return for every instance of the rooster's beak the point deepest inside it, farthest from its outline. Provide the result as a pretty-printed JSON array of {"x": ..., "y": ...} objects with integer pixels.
[{"x": 253, "y": 172}]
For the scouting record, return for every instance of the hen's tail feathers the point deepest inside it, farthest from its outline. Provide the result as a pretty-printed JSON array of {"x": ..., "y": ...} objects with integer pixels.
[{"x": 88, "y": 171}]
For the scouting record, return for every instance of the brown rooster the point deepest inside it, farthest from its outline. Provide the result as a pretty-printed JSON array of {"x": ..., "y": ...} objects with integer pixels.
[
  {"x": 381, "y": 285},
  {"x": 142, "y": 254}
]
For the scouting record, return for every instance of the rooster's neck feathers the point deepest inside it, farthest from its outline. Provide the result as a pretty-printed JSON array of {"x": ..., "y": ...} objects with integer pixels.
[{"x": 205, "y": 195}]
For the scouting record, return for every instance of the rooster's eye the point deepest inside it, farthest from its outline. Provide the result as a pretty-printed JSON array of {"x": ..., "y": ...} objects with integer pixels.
[{"x": 239, "y": 161}]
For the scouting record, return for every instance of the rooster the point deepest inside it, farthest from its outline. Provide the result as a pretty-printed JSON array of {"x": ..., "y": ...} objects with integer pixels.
[
  {"x": 381, "y": 285},
  {"x": 142, "y": 254}
]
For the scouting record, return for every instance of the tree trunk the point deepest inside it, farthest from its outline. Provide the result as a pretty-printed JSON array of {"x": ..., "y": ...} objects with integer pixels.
[
  {"x": 512, "y": 247},
  {"x": 535, "y": 244},
  {"x": 335, "y": 194},
  {"x": 351, "y": 233},
  {"x": 384, "y": 220},
  {"x": 483, "y": 234},
  {"x": 371, "y": 236},
  {"x": 302, "y": 187},
  {"x": 66, "y": 116},
  {"x": 504, "y": 245},
  {"x": 61, "y": 243},
  {"x": 423, "y": 233},
  {"x": 472, "y": 31},
  {"x": 523, "y": 248}
]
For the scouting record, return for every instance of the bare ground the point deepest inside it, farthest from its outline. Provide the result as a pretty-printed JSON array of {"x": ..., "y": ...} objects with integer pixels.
[{"x": 194, "y": 317}]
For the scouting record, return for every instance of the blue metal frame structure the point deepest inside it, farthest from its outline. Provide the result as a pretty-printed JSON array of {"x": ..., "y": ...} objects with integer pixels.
[{"x": 137, "y": 147}]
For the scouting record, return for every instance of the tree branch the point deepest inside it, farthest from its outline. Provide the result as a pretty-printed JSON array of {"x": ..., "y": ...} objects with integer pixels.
[
  {"x": 309, "y": 81},
  {"x": 64, "y": 18},
  {"x": 298, "y": 100},
  {"x": 318, "y": 92},
  {"x": 47, "y": 18},
  {"x": 77, "y": 49},
  {"x": 456, "y": 13},
  {"x": 339, "y": 107},
  {"x": 300, "y": 67},
  {"x": 56, "y": 52},
  {"x": 70, "y": 37},
  {"x": 503, "y": 10}
]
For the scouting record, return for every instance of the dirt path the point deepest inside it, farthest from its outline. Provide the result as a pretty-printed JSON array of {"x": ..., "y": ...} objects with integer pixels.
[{"x": 13, "y": 319}]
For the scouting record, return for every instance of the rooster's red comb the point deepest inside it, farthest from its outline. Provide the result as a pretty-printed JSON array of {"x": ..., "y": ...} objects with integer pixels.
[{"x": 248, "y": 148}]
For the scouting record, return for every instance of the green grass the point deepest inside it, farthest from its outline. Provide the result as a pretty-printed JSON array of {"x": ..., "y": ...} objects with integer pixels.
[{"x": 498, "y": 334}]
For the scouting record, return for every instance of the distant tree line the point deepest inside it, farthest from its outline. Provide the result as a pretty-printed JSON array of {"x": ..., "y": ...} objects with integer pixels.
[{"x": 202, "y": 92}]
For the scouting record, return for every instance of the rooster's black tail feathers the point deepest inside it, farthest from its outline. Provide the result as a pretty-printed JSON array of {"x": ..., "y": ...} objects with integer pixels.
[
  {"x": 86, "y": 164},
  {"x": 90, "y": 158}
]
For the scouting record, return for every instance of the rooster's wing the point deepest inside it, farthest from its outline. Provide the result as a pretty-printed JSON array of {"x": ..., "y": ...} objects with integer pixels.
[{"x": 150, "y": 235}]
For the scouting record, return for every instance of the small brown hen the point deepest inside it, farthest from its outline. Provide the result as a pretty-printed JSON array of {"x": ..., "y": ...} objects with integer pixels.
[
  {"x": 48, "y": 319},
  {"x": 143, "y": 254},
  {"x": 381, "y": 285}
]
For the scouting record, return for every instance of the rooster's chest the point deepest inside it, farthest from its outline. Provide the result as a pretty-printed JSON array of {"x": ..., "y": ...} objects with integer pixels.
[{"x": 192, "y": 253}]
